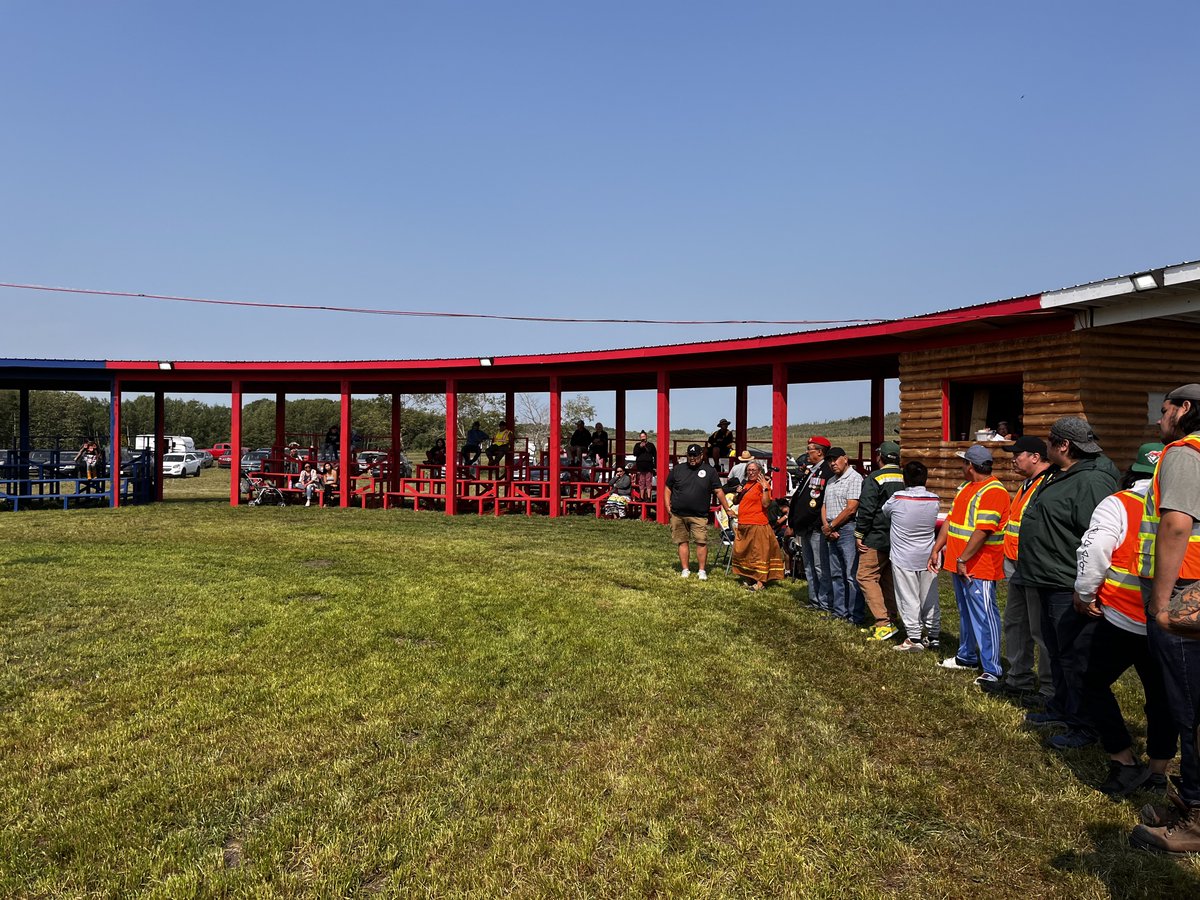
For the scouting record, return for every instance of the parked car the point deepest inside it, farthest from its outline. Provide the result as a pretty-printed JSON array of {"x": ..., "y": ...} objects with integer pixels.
[
  {"x": 253, "y": 461},
  {"x": 207, "y": 460},
  {"x": 369, "y": 460},
  {"x": 181, "y": 464}
]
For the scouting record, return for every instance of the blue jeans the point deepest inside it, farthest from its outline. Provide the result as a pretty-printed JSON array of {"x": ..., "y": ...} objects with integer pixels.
[
  {"x": 1068, "y": 637},
  {"x": 816, "y": 568},
  {"x": 979, "y": 623},
  {"x": 847, "y": 599},
  {"x": 1180, "y": 661}
]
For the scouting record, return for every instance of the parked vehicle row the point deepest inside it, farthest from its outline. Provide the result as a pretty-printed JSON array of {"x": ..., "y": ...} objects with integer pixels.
[{"x": 181, "y": 465}]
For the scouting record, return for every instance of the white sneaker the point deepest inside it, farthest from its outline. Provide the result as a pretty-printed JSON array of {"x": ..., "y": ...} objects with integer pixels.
[
  {"x": 951, "y": 662},
  {"x": 308, "y": 503},
  {"x": 702, "y": 575},
  {"x": 685, "y": 573}
]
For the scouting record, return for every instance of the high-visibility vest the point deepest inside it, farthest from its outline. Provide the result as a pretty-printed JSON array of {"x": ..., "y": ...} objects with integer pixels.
[
  {"x": 1016, "y": 509},
  {"x": 974, "y": 516},
  {"x": 1122, "y": 589},
  {"x": 1151, "y": 516}
]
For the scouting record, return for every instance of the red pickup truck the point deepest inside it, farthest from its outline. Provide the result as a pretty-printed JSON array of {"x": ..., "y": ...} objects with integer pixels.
[{"x": 222, "y": 452}]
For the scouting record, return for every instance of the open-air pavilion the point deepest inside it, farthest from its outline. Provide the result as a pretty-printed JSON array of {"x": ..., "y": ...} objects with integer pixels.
[{"x": 1106, "y": 350}]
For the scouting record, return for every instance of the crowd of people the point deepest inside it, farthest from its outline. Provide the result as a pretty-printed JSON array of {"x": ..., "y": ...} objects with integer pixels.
[{"x": 1103, "y": 574}]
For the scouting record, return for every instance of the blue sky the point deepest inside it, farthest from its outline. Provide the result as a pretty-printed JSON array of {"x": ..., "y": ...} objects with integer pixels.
[{"x": 677, "y": 160}]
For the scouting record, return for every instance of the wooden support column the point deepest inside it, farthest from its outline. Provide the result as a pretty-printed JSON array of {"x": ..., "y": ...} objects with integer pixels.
[
  {"x": 160, "y": 430},
  {"x": 619, "y": 450},
  {"x": 876, "y": 415},
  {"x": 397, "y": 442},
  {"x": 235, "y": 445},
  {"x": 665, "y": 448},
  {"x": 23, "y": 441},
  {"x": 451, "y": 446},
  {"x": 280, "y": 423},
  {"x": 344, "y": 454},
  {"x": 114, "y": 444},
  {"x": 510, "y": 418},
  {"x": 554, "y": 446},
  {"x": 779, "y": 417},
  {"x": 740, "y": 416}
]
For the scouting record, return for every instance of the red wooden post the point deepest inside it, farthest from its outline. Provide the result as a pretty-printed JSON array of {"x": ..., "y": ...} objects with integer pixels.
[
  {"x": 280, "y": 423},
  {"x": 741, "y": 421},
  {"x": 160, "y": 428},
  {"x": 554, "y": 446},
  {"x": 235, "y": 445},
  {"x": 393, "y": 479},
  {"x": 451, "y": 445},
  {"x": 876, "y": 414},
  {"x": 779, "y": 410},
  {"x": 510, "y": 417},
  {"x": 619, "y": 450},
  {"x": 344, "y": 454},
  {"x": 114, "y": 442},
  {"x": 664, "y": 444}
]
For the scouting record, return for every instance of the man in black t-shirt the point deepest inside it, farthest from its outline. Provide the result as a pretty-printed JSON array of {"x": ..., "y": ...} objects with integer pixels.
[{"x": 689, "y": 497}]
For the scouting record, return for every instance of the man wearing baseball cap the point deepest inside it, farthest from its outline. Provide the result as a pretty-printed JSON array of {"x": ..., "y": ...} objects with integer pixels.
[
  {"x": 1023, "y": 611},
  {"x": 688, "y": 496},
  {"x": 1168, "y": 562},
  {"x": 1051, "y": 529},
  {"x": 972, "y": 537},
  {"x": 804, "y": 517},
  {"x": 872, "y": 533}
]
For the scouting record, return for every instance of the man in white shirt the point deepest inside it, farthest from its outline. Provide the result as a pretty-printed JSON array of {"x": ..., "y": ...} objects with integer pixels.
[{"x": 912, "y": 514}]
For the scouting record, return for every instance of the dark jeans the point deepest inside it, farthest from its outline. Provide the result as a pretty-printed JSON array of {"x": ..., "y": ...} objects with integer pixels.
[
  {"x": 1179, "y": 658},
  {"x": 1114, "y": 650},
  {"x": 1068, "y": 637},
  {"x": 843, "y": 576}
]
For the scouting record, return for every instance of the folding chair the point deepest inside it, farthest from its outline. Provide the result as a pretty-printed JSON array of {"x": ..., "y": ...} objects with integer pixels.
[{"x": 727, "y": 536}]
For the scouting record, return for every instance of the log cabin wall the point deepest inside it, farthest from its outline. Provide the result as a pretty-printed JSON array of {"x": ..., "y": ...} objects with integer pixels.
[
  {"x": 1052, "y": 369},
  {"x": 1123, "y": 365},
  {"x": 1106, "y": 375}
]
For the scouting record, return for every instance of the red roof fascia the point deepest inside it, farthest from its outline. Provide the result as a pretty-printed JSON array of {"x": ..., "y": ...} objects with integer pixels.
[{"x": 847, "y": 333}]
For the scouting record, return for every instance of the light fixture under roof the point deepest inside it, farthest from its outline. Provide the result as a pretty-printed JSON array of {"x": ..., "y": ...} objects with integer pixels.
[
  {"x": 1145, "y": 282},
  {"x": 485, "y": 360},
  {"x": 166, "y": 365}
]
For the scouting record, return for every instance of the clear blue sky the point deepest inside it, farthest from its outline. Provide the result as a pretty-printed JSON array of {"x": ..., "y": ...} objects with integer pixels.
[{"x": 653, "y": 159}]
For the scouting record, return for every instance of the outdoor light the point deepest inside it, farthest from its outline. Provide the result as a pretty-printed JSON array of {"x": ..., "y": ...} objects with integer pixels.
[
  {"x": 485, "y": 360},
  {"x": 165, "y": 365},
  {"x": 1144, "y": 282}
]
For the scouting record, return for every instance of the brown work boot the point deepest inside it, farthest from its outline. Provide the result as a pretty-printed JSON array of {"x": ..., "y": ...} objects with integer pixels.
[
  {"x": 1162, "y": 815},
  {"x": 1179, "y": 839}
]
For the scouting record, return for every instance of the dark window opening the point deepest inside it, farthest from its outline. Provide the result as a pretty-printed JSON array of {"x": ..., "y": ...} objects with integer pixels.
[{"x": 978, "y": 405}]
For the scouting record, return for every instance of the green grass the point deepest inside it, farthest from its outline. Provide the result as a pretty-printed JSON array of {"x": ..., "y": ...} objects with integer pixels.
[{"x": 205, "y": 701}]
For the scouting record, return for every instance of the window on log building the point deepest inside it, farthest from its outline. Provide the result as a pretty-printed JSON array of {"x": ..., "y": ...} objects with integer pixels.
[{"x": 971, "y": 405}]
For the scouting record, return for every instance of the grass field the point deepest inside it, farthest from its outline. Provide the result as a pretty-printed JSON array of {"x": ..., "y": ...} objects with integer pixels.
[{"x": 205, "y": 701}]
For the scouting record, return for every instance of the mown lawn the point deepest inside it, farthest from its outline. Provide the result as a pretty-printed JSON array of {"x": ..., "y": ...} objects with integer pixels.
[{"x": 205, "y": 701}]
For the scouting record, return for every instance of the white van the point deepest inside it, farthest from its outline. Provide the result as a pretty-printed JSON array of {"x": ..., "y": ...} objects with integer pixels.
[{"x": 178, "y": 442}]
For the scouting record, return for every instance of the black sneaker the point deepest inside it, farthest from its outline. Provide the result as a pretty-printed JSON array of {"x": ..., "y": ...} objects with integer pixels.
[{"x": 1123, "y": 779}]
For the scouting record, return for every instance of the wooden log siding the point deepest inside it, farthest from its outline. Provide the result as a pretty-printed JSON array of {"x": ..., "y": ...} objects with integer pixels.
[
  {"x": 1052, "y": 373},
  {"x": 1102, "y": 374}
]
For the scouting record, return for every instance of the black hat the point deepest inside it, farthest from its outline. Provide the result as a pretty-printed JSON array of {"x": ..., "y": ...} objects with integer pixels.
[
  {"x": 694, "y": 450},
  {"x": 1029, "y": 443},
  {"x": 834, "y": 452},
  {"x": 1075, "y": 430}
]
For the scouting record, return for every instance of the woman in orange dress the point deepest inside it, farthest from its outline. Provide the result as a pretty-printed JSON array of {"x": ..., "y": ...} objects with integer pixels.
[{"x": 756, "y": 556}]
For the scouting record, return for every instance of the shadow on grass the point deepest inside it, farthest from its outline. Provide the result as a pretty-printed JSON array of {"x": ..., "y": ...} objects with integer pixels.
[{"x": 1127, "y": 872}]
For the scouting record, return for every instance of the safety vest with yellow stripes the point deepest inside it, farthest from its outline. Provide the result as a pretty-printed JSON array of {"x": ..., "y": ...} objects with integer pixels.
[
  {"x": 1122, "y": 589},
  {"x": 1016, "y": 509},
  {"x": 978, "y": 506},
  {"x": 1152, "y": 515}
]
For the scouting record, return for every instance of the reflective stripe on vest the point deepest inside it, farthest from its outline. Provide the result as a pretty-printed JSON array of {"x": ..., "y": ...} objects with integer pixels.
[
  {"x": 1148, "y": 528},
  {"x": 1122, "y": 589},
  {"x": 1015, "y": 511},
  {"x": 976, "y": 516}
]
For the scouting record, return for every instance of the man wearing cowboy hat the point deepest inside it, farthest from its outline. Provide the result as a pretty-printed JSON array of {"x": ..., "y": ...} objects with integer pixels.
[
  {"x": 738, "y": 472},
  {"x": 719, "y": 443}
]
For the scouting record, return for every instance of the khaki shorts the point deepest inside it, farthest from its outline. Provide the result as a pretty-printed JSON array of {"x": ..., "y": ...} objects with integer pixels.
[{"x": 689, "y": 529}]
